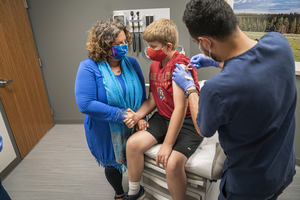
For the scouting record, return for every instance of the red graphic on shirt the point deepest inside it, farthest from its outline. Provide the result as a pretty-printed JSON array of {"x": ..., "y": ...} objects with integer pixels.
[{"x": 160, "y": 93}]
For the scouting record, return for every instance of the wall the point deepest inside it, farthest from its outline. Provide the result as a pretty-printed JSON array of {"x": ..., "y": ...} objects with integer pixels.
[{"x": 59, "y": 28}]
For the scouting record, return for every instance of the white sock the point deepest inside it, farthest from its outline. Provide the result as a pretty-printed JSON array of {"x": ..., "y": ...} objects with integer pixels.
[{"x": 134, "y": 188}]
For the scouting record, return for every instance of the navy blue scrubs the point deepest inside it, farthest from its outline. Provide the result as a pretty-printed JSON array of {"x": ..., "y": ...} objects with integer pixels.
[{"x": 251, "y": 103}]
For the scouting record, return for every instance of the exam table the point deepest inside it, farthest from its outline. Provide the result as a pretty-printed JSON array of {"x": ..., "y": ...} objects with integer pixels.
[{"x": 202, "y": 168}]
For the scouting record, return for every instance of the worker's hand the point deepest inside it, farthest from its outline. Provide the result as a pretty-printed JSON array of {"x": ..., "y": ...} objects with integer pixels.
[
  {"x": 130, "y": 118},
  {"x": 163, "y": 155},
  {"x": 200, "y": 60},
  {"x": 142, "y": 125},
  {"x": 182, "y": 78}
]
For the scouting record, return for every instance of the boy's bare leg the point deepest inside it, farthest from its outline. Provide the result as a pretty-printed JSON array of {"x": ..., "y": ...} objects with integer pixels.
[
  {"x": 136, "y": 145},
  {"x": 176, "y": 177}
]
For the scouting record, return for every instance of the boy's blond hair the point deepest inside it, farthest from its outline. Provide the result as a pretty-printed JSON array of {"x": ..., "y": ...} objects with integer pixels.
[{"x": 163, "y": 31}]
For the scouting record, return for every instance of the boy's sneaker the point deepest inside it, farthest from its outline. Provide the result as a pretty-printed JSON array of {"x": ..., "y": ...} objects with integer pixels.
[{"x": 139, "y": 196}]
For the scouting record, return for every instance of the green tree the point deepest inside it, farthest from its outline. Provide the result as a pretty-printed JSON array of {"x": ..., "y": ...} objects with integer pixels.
[
  {"x": 279, "y": 23},
  {"x": 254, "y": 27},
  {"x": 247, "y": 24},
  {"x": 287, "y": 24},
  {"x": 298, "y": 26},
  {"x": 293, "y": 26},
  {"x": 264, "y": 26},
  {"x": 258, "y": 24},
  {"x": 243, "y": 27}
]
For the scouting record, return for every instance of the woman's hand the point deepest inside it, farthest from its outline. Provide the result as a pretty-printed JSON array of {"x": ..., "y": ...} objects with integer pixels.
[
  {"x": 142, "y": 125},
  {"x": 163, "y": 155},
  {"x": 130, "y": 118}
]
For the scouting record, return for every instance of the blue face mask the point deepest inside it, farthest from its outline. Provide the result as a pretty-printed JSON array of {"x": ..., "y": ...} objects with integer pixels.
[{"x": 119, "y": 51}]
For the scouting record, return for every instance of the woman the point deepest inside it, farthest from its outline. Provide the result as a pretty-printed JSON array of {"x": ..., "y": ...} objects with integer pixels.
[{"x": 107, "y": 84}]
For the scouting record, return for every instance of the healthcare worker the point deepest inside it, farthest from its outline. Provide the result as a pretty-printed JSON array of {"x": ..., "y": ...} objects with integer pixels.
[
  {"x": 251, "y": 102},
  {"x": 3, "y": 193}
]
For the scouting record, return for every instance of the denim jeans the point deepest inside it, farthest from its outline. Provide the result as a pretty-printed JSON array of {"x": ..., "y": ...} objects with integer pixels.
[{"x": 3, "y": 193}]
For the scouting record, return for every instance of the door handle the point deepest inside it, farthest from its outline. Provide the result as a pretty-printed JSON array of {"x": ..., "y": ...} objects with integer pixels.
[{"x": 2, "y": 82}]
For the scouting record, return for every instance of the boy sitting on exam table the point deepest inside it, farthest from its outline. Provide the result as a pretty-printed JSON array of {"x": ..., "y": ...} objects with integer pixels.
[{"x": 172, "y": 125}]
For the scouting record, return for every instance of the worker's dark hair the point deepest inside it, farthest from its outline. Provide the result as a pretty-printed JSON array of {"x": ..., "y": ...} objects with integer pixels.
[{"x": 214, "y": 18}]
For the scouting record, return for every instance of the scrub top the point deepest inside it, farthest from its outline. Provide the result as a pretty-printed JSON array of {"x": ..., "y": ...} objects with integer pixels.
[{"x": 251, "y": 103}]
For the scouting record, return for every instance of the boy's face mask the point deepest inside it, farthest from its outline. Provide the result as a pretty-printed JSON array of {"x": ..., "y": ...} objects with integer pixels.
[
  {"x": 156, "y": 55},
  {"x": 119, "y": 51}
]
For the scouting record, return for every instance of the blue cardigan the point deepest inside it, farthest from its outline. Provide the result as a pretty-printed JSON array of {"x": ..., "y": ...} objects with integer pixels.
[{"x": 91, "y": 99}]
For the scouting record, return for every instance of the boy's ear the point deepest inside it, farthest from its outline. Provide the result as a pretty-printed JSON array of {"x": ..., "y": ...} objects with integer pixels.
[{"x": 169, "y": 46}]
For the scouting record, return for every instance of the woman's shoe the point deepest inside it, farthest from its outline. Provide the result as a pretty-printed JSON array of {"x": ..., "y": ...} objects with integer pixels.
[{"x": 119, "y": 197}]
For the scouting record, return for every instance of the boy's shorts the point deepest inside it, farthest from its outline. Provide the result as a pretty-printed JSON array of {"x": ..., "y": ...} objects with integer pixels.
[{"x": 187, "y": 140}]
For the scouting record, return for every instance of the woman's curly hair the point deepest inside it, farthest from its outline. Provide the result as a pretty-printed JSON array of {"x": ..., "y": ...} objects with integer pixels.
[{"x": 101, "y": 36}]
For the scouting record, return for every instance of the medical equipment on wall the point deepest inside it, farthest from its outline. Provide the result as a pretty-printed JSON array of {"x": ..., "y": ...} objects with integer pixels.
[
  {"x": 133, "y": 34},
  {"x": 182, "y": 49},
  {"x": 136, "y": 23},
  {"x": 149, "y": 19},
  {"x": 119, "y": 16},
  {"x": 138, "y": 20}
]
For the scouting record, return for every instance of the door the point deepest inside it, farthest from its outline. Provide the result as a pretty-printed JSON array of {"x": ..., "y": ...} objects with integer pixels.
[{"x": 24, "y": 99}]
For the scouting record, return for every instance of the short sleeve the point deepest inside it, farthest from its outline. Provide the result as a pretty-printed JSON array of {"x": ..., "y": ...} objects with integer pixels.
[{"x": 212, "y": 112}]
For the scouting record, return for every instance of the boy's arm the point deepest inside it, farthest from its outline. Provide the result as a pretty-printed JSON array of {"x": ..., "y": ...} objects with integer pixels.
[
  {"x": 176, "y": 121},
  {"x": 147, "y": 107},
  {"x": 181, "y": 78}
]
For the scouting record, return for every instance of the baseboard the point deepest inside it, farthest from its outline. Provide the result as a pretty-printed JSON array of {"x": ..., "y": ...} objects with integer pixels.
[
  {"x": 10, "y": 168},
  {"x": 298, "y": 161},
  {"x": 69, "y": 121}
]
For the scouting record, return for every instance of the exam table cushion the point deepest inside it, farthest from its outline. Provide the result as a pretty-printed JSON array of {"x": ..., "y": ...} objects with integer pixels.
[{"x": 206, "y": 162}]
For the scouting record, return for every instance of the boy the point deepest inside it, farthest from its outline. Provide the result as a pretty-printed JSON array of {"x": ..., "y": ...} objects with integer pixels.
[{"x": 172, "y": 124}]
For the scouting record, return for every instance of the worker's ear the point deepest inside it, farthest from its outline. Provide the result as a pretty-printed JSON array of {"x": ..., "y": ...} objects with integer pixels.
[{"x": 206, "y": 43}]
